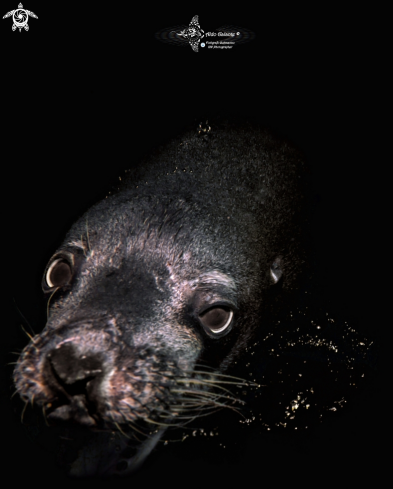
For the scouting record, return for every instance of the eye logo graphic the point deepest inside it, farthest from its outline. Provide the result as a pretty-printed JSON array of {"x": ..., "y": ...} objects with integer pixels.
[
  {"x": 20, "y": 17},
  {"x": 193, "y": 33}
]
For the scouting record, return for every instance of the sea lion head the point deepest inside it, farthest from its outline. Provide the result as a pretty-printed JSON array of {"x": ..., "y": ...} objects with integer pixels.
[{"x": 159, "y": 288}]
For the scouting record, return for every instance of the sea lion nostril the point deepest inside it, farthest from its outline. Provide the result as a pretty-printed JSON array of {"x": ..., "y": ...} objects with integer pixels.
[
  {"x": 74, "y": 379},
  {"x": 71, "y": 366}
]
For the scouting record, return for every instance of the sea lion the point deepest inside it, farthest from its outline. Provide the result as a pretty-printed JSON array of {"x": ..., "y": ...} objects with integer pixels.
[{"x": 161, "y": 287}]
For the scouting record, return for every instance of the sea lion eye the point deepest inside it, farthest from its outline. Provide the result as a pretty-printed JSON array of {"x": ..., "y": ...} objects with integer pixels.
[
  {"x": 59, "y": 273},
  {"x": 216, "y": 320}
]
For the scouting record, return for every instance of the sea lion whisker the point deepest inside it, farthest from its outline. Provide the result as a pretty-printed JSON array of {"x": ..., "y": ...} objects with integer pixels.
[
  {"x": 87, "y": 235},
  {"x": 199, "y": 400},
  {"x": 203, "y": 394},
  {"x": 205, "y": 382},
  {"x": 83, "y": 244},
  {"x": 138, "y": 439},
  {"x": 175, "y": 425},
  {"x": 121, "y": 431},
  {"x": 190, "y": 394},
  {"x": 209, "y": 367},
  {"x": 213, "y": 373},
  {"x": 28, "y": 334},
  {"x": 192, "y": 418},
  {"x": 44, "y": 415},
  {"x": 217, "y": 374},
  {"x": 183, "y": 424},
  {"x": 16, "y": 390},
  {"x": 187, "y": 410},
  {"x": 209, "y": 381},
  {"x": 173, "y": 414},
  {"x": 23, "y": 317},
  {"x": 202, "y": 407},
  {"x": 50, "y": 297},
  {"x": 209, "y": 402},
  {"x": 23, "y": 411},
  {"x": 190, "y": 402},
  {"x": 218, "y": 381},
  {"x": 156, "y": 422},
  {"x": 219, "y": 406},
  {"x": 214, "y": 402},
  {"x": 167, "y": 374},
  {"x": 135, "y": 427}
]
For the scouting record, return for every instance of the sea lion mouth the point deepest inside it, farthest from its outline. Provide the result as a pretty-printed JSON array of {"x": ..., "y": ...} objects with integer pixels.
[
  {"x": 72, "y": 401},
  {"x": 89, "y": 451},
  {"x": 77, "y": 410},
  {"x": 89, "y": 444}
]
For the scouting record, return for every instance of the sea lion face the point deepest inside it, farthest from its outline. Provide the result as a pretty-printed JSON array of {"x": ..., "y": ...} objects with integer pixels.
[{"x": 130, "y": 332}]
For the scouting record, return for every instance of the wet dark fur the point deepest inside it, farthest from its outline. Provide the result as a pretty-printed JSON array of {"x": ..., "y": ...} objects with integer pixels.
[{"x": 203, "y": 221}]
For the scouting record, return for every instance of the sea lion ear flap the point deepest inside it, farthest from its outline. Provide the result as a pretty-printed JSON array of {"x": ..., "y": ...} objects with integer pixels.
[{"x": 276, "y": 269}]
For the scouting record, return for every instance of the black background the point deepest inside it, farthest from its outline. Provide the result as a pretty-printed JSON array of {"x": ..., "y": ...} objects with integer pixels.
[{"x": 88, "y": 89}]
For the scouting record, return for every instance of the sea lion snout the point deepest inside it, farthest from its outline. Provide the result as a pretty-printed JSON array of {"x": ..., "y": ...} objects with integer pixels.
[
  {"x": 70, "y": 369},
  {"x": 76, "y": 381},
  {"x": 90, "y": 369}
]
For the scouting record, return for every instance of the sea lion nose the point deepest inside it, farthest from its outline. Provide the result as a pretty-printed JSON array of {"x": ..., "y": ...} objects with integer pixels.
[
  {"x": 75, "y": 379},
  {"x": 70, "y": 367}
]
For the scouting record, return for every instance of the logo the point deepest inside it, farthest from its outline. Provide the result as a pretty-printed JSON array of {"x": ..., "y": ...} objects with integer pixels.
[
  {"x": 20, "y": 17},
  {"x": 193, "y": 33},
  {"x": 225, "y": 37}
]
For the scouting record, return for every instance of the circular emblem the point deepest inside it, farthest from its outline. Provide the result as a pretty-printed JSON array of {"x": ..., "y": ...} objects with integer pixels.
[{"x": 20, "y": 18}]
